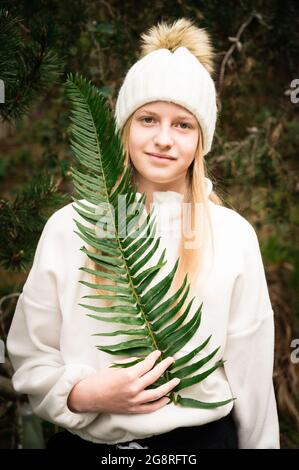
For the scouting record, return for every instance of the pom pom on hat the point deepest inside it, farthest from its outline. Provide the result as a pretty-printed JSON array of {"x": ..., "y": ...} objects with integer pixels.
[{"x": 182, "y": 33}]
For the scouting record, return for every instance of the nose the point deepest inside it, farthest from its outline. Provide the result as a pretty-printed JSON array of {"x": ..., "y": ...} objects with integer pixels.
[{"x": 163, "y": 136}]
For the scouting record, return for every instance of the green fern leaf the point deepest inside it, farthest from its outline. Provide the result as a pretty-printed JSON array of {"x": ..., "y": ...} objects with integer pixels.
[{"x": 126, "y": 251}]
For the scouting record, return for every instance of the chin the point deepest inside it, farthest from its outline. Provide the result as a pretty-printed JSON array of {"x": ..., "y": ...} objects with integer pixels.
[{"x": 158, "y": 179}]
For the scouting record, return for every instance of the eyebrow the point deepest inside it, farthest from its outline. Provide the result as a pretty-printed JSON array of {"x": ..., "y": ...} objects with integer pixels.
[{"x": 147, "y": 111}]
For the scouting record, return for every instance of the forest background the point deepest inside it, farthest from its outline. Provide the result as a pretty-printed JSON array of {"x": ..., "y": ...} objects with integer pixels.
[{"x": 253, "y": 163}]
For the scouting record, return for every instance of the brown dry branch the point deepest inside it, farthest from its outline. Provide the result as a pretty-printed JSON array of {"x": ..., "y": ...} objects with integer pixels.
[{"x": 236, "y": 44}]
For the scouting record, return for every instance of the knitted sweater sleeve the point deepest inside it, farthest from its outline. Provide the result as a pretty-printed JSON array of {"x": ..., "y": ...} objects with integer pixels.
[
  {"x": 34, "y": 338},
  {"x": 249, "y": 352}
]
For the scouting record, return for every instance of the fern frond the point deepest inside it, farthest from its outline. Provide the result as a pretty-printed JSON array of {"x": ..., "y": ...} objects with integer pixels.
[{"x": 125, "y": 257}]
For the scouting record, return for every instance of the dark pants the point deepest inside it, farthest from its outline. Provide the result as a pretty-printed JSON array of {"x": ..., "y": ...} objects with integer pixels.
[{"x": 219, "y": 434}]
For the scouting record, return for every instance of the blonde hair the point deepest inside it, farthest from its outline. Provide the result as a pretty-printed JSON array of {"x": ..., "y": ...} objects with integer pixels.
[{"x": 180, "y": 33}]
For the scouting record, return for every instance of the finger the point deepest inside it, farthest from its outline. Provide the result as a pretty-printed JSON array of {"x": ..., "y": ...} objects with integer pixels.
[
  {"x": 154, "y": 374},
  {"x": 147, "y": 364},
  {"x": 143, "y": 409},
  {"x": 157, "y": 393}
]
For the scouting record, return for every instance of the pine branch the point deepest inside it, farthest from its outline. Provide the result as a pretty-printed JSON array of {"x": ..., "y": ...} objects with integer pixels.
[
  {"x": 22, "y": 220},
  {"x": 27, "y": 68}
]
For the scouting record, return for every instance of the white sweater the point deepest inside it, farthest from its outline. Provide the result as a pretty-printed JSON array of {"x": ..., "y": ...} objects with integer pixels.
[{"x": 51, "y": 346}]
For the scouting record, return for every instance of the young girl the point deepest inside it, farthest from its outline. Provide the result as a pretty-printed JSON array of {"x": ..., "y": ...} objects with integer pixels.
[{"x": 166, "y": 110}]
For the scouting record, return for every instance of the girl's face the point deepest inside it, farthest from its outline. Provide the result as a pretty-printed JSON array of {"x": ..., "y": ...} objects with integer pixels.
[{"x": 165, "y": 128}]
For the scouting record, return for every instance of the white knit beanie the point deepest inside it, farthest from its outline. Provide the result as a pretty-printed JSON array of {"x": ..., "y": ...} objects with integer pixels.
[{"x": 182, "y": 76}]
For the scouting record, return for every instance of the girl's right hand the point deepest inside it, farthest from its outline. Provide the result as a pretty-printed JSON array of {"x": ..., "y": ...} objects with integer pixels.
[{"x": 122, "y": 390}]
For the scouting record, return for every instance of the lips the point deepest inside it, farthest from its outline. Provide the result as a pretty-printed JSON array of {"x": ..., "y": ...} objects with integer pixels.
[{"x": 161, "y": 156}]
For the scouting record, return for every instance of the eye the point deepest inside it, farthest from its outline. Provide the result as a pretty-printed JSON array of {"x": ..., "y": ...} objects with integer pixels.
[
  {"x": 186, "y": 124},
  {"x": 146, "y": 117}
]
